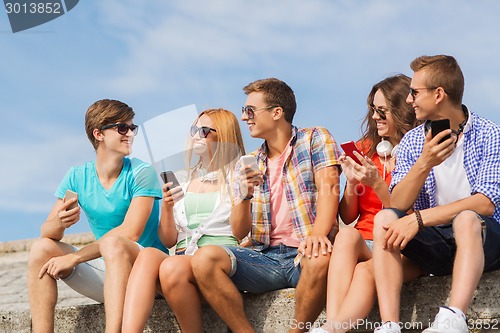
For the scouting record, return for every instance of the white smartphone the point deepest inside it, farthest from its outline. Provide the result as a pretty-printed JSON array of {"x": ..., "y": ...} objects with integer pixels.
[
  {"x": 249, "y": 160},
  {"x": 70, "y": 195}
]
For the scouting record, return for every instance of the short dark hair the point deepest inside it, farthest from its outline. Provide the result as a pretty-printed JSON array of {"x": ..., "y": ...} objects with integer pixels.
[
  {"x": 105, "y": 112},
  {"x": 442, "y": 71},
  {"x": 276, "y": 92}
]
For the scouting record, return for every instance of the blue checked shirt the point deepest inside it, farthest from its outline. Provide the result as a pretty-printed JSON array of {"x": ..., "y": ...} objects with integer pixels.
[
  {"x": 312, "y": 149},
  {"x": 481, "y": 161}
]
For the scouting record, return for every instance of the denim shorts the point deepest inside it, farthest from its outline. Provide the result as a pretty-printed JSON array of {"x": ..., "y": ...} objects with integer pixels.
[
  {"x": 261, "y": 271},
  {"x": 433, "y": 249}
]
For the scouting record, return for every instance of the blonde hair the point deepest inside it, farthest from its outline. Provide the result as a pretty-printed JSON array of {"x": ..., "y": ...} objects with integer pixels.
[{"x": 229, "y": 146}]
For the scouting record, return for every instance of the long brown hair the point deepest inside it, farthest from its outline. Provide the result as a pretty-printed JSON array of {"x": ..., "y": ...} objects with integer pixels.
[{"x": 395, "y": 90}]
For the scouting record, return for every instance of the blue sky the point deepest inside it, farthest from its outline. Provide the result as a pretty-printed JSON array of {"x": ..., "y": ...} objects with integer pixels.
[{"x": 162, "y": 55}]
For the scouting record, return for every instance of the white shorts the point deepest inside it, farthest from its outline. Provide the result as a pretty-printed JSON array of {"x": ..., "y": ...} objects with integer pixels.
[{"x": 87, "y": 278}]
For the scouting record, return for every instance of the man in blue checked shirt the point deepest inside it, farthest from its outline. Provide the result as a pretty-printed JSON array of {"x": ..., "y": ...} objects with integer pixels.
[{"x": 452, "y": 183}]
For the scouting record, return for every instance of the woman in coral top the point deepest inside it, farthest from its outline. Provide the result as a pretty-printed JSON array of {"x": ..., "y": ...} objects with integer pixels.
[{"x": 350, "y": 294}]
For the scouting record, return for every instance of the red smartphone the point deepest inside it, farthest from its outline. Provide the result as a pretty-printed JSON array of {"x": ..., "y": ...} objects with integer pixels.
[
  {"x": 439, "y": 126},
  {"x": 349, "y": 147}
]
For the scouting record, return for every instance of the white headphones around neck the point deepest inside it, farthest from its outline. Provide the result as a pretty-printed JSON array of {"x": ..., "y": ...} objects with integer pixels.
[{"x": 385, "y": 149}]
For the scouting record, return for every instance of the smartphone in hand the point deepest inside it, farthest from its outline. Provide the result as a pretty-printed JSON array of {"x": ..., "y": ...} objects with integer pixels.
[
  {"x": 350, "y": 147},
  {"x": 169, "y": 177},
  {"x": 249, "y": 160},
  {"x": 438, "y": 126},
  {"x": 70, "y": 195}
]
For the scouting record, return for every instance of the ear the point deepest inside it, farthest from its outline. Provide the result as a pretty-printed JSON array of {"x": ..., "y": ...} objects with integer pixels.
[
  {"x": 278, "y": 113},
  {"x": 98, "y": 134},
  {"x": 440, "y": 94}
]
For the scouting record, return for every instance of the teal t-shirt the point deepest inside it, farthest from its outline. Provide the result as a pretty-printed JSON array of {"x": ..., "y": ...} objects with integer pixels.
[{"x": 106, "y": 209}]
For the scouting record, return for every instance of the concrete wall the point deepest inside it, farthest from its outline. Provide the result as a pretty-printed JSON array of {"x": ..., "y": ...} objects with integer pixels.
[{"x": 272, "y": 312}]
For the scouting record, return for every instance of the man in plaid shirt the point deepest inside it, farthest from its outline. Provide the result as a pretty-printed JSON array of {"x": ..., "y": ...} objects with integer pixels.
[
  {"x": 451, "y": 180},
  {"x": 290, "y": 201}
]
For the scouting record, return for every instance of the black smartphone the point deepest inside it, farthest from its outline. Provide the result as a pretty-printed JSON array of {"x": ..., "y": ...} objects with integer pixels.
[
  {"x": 349, "y": 147},
  {"x": 438, "y": 126},
  {"x": 169, "y": 177}
]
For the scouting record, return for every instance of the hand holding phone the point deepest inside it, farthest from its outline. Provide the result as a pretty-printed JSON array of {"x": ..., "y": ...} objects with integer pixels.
[
  {"x": 249, "y": 160},
  {"x": 350, "y": 147},
  {"x": 438, "y": 126},
  {"x": 169, "y": 177},
  {"x": 70, "y": 195}
]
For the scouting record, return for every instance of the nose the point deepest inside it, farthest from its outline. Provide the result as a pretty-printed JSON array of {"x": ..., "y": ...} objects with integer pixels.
[
  {"x": 244, "y": 116},
  {"x": 409, "y": 98}
]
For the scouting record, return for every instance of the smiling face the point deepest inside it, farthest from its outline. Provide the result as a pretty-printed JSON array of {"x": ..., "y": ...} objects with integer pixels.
[
  {"x": 112, "y": 141},
  {"x": 262, "y": 122},
  {"x": 203, "y": 146},
  {"x": 385, "y": 127},
  {"x": 423, "y": 99}
]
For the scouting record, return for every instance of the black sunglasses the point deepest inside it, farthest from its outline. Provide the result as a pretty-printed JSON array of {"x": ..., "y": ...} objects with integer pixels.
[
  {"x": 381, "y": 112},
  {"x": 250, "y": 111},
  {"x": 203, "y": 131},
  {"x": 414, "y": 91},
  {"x": 122, "y": 128}
]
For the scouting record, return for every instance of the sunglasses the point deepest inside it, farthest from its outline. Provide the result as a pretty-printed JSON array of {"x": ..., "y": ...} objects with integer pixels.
[
  {"x": 381, "y": 112},
  {"x": 122, "y": 128},
  {"x": 414, "y": 91},
  {"x": 250, "y": 111},
  {"x": 202, "y": 131}
]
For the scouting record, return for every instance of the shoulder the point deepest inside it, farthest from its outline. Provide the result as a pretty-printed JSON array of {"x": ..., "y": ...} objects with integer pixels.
[
  {"x": 139, "y": 167},
  {"x": 483, "y": 125},
  {"x": 313, "y": 133}
]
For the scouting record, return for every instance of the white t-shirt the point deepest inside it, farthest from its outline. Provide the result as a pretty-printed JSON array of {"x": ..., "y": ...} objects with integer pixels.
[{"x": 451, "y": 179}]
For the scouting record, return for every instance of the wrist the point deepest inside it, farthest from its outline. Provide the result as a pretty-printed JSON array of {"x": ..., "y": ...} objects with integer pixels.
[{"x": 420, "y": 221}]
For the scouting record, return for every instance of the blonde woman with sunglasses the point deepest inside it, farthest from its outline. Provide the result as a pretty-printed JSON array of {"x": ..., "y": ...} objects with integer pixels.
[{"x": 193, "y": 215}]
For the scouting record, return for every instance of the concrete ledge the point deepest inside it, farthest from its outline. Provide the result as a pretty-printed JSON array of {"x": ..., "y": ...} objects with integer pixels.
[{"x": 272, "y": 312}]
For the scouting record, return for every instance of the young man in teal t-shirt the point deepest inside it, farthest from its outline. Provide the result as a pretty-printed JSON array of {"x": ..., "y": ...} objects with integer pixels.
[{"x": 119, "y": 197}]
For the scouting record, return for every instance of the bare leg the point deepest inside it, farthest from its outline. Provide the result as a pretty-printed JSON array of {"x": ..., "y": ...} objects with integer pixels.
[
  {"x": 310, "y": 294},
  {"x": 210, "y": 264},
  {"x": 181, "y": 292},
  {"x": 119, "y": 254},
  {"x": 359, "y": 300},
  {"x": 388, "y": 270},
  {"x": 141, "y": 289},
  {"x": 469, "y": 260},
  {"x": 43, "y": 292},
  {"x": 349, "y": 249}
]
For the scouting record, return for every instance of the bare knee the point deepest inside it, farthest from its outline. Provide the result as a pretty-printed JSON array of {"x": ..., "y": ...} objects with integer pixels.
[
  {"x": 43, "y": 249},
  {"x": 173, "y": 274},
  {"x": 347, "y": 238},
  {"x": 115, "y": 248},
  {"x": 364, "y": 270},
  {"x": 382, "y": 218},
  {"x": 467, "y": 224},
  {"x": 316, "y": 266},
  {"x": 208, "y": 259}
]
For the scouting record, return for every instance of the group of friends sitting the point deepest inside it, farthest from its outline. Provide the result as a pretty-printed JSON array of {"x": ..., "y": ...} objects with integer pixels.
[{"x": 423, "y": 201}]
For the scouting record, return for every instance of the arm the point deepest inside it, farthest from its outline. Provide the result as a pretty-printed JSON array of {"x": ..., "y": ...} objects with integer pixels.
[
  {"x": 406, "y": 192},
  {"x": 59, "y": 220},
  {"x": 167, "y": 230},
  {"x": 241, "y": 212},
  {"x": 348, "y": 206},
  {"x": 327, "y": 182},
  {"x": 135, "y": 220}
]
